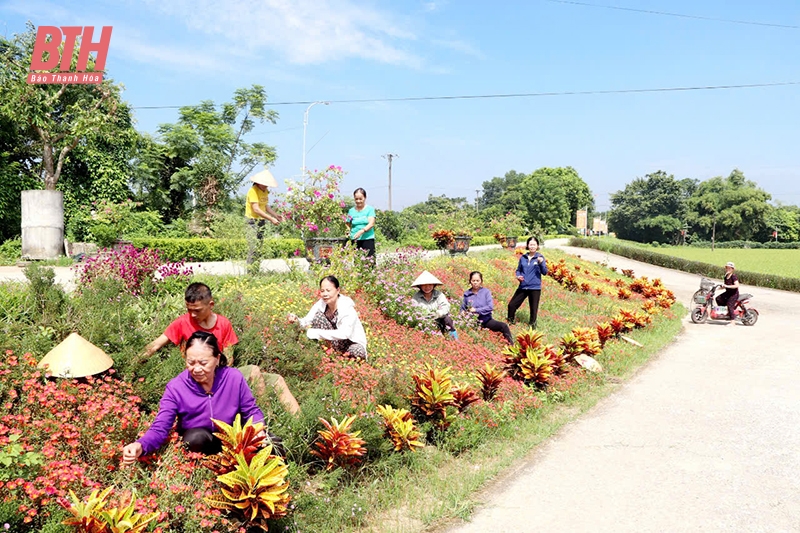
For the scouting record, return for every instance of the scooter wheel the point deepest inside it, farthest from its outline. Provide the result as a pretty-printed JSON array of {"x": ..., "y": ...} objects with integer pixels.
[
  {"x": 699, "y": 315},
  {"x": 750, "y": 317}
]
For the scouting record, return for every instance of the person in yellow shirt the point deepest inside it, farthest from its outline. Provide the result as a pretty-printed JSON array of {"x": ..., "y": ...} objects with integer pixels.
[{"x": 257, "y": 210}]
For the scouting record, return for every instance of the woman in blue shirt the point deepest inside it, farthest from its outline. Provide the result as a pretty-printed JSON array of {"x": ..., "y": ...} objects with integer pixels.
[
  {"x": 532, "y": 266},
  {"x": 478, "y": 300},
  {"x": 361, "y": 223}
]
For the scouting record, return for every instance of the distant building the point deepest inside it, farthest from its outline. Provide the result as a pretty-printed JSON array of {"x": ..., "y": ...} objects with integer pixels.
[
  {"x": 582, "y": 221},
  {"x": 599, "y": 226}
]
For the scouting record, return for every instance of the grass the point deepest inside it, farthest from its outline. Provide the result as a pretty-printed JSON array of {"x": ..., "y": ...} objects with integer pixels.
[{"x": 777, "y": 262}]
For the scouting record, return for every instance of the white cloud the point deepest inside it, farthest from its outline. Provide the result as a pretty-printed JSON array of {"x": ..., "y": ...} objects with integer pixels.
[
  {"x": 301, "y": 31},
  {"x": 459, "y": 46}
]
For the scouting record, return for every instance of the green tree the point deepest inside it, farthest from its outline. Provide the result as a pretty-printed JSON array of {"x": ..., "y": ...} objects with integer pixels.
[
  {"x": 210, "y": 140},
  {"x": 16, "y": 158},
  {"x": 726, "y": 209},
  {"x": 55, "y": 118},
  {"x": 652, "y": 208},
  {"x": 551, "y": 196},
  {"x": 500, "y": 195},
  {"x": 785, "y": 219}
]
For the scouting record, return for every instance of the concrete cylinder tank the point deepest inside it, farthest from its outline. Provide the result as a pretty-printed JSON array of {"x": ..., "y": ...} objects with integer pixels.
[{"x": 42, "y": 224}]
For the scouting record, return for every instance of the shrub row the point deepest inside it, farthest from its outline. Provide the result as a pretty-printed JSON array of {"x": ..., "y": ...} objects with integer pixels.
[
  {"x": 696, "y": 267},
  {"x": 217, "y": 249},
  {"x": 771, "y": 245}
]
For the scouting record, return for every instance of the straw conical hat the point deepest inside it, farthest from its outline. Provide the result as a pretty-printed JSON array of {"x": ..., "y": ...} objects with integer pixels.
[
  {"x": 264, "y": 177},
  {"x": 425, "y": 278},
  {"x": 76, "y": 357}
]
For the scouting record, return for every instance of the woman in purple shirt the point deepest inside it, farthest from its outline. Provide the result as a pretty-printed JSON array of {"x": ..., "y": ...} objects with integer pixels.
[
  {"x": 478, "y": 300},
  {"x": 206, "y": 389}
]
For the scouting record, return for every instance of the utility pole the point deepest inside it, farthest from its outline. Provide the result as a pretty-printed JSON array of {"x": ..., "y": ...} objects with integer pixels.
[{"x": 389, "y": 157}]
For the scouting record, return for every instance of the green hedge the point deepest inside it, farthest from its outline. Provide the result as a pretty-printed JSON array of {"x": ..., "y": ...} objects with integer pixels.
[
  {"x": 771, "y": 245},
  {"x": 696, "y": 267},
  {"x": 217, "y": 249}
]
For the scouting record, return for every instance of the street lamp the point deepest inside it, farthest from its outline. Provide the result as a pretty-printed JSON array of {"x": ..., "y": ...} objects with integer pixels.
[{"x": 305, "y": 126}]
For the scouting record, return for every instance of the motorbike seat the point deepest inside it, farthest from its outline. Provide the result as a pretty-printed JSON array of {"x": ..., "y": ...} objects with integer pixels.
[{"x": 744, "y": 296}]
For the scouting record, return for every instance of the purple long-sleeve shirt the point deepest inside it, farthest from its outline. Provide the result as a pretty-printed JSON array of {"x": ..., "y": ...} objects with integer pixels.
[
  {"x": 481, "y": 301},
  {"x": 185, "y": 399}
]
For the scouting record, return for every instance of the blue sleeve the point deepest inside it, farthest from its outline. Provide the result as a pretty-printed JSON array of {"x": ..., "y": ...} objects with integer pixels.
[
  {"x": 519, "y": 267},
  {"x": 543, "y": 266},
  {"x": 371, "y": 212},
  {"x": 350, "y": 214}
]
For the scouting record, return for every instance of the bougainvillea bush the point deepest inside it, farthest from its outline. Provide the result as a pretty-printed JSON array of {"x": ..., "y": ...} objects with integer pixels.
[{"x": 360, "y": 421}]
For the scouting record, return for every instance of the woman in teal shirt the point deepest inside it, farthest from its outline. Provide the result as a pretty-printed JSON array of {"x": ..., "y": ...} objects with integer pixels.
[{"x": 361, "y": 223}]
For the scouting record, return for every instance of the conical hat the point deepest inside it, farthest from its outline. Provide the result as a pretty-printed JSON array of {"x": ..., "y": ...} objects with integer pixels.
[
  {"x": 425, "y": 278},
  {"x": 264, "y": 177},
  {"x": 76, "y": 357}
]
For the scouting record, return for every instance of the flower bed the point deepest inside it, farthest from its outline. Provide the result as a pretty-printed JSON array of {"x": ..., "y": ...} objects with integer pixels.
[{"x": 65, "y": 435}]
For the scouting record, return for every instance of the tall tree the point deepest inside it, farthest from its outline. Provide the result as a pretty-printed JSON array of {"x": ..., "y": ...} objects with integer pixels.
[
  {"x": 501, "y": 193},
  {"x": 54, "y": 117},
  {"x": 211, "y": 141},
  {"x": 652, "y": 208},
  {"x": 731, "y": 208},
  {"x": 551, "y": 197}
]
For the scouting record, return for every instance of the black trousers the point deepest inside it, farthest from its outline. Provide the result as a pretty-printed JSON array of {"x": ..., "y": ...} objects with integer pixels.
[
  {"x": 445, "y": 323},
  {"x": 517, "y": 300},
  {"x": 368, "y": 245},
  {"x": 729, "y": 299},
  {"x": 500, "y": 327},
  {"x": 201, "y": 440}
]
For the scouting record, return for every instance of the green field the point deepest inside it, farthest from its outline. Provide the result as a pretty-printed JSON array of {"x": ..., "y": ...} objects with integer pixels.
[{"x": 778, "y": 262}]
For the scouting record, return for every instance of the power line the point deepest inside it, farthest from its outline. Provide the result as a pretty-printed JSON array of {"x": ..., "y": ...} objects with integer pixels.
[
  {"x": 520, "y": 95},
  {"x": 679, "y": 15}
]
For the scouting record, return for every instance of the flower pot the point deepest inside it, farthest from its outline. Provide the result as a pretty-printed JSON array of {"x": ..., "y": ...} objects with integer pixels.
[
  {"x": 321, "y": 248},
  {"x": 119, "y": 244},
  {"x": 511, "y": 242},
  {"x": 460, "y": 244}
]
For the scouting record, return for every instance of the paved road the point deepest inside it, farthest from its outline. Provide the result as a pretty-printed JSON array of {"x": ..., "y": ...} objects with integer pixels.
[
  {"x": 705, "y": 438},
  {"x": 65, "y": 276}
]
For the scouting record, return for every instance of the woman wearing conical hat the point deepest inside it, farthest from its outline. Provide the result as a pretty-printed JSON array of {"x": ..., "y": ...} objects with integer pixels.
[
  {"x": 257, "y": 209},
  {"x": 433, "y": 301}
]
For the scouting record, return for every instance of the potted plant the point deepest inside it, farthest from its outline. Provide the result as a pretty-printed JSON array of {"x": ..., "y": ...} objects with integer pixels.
[
  {"x": 507, "y": 229},
  {"x": 110, "y": 222},
  {"x": 315, "y": 207}
]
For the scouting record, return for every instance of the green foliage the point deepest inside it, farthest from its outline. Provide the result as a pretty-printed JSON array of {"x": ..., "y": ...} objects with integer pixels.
[
  {"x": 199, "y": 152},
  {"x": 650, "y": 208},
  {"x": 54, "y": 118},
  {"x": 389, "y": 224},
  {"x": 10, "y": 251},
  {"x": 733, "y": 208},
  {"x": 550, "y": 197},
  {"x": 197, "y": 249},
  {"x": 15, "y": 462},
  {"x": 48, "y": 297},
  {"x": 706, "y": 269}
]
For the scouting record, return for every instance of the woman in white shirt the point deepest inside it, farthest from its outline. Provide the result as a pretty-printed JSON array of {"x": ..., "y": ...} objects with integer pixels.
[{"x": 334, "y": 318}]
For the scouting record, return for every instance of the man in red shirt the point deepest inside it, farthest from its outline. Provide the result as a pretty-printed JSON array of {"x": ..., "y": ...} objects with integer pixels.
[{"x": 200, "y": 316}]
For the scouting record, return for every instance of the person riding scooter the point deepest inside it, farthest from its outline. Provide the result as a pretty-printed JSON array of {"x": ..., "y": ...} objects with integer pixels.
[{"x": 729, "y": 298}]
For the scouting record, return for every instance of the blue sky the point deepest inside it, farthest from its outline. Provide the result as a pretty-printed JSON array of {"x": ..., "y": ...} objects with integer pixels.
[{"x": 179, "y": 52}]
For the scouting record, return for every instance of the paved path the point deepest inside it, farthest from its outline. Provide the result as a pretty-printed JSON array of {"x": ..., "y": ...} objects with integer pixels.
[
  {"x": 705, "y": 438},
  {"x": 65, "y": 276}
]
